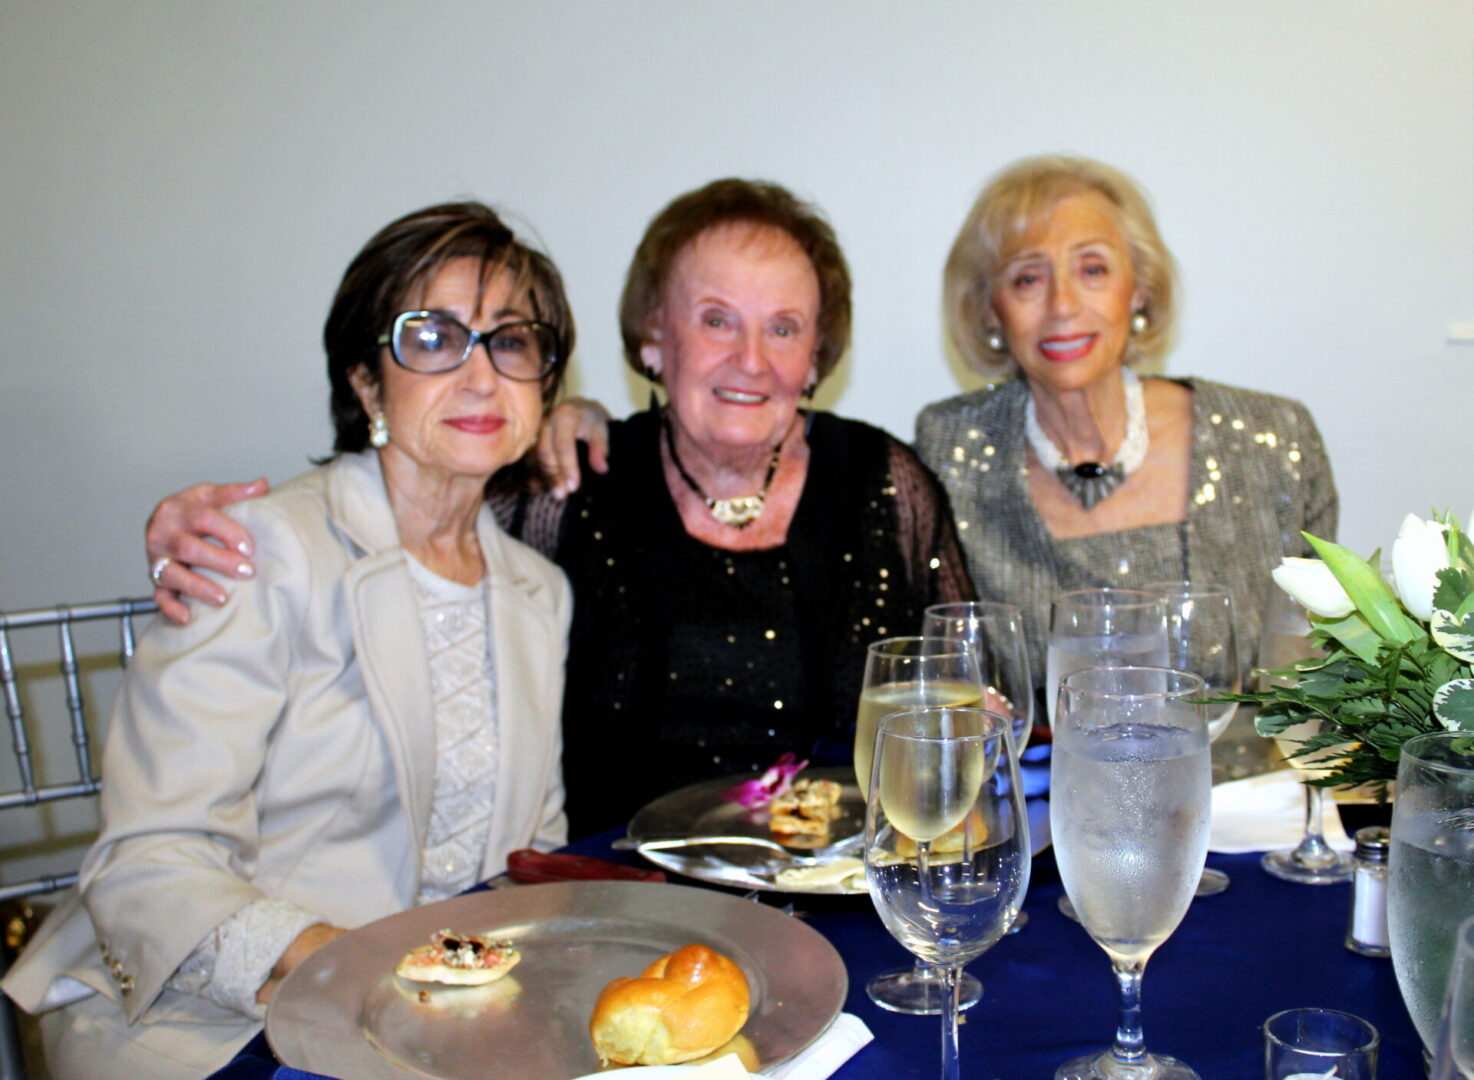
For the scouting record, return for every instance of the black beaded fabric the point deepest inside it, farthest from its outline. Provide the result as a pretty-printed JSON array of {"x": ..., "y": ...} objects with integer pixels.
[{"x": 687, "y": 661}]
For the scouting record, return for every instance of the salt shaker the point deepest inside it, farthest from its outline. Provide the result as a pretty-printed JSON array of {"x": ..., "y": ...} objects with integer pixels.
[{"x": 1366, "y": 931}]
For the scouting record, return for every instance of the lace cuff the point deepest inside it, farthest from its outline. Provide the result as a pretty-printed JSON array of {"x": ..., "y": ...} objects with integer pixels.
[{"x": 236, "y": 958}]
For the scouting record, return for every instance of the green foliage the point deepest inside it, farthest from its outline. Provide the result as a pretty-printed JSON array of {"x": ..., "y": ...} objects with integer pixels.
[{"x": 1366, "y": 708}]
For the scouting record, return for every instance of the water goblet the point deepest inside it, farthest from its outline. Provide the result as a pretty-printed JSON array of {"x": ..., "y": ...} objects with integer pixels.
[
  {"x": 910, "y": 672},
  {"x": 1101, "y": 627},
  {"x": 1453, "y": 1057},
  {"x": 947, "y": 852},
  {"x": 1317, "y": 1044},
  {"x": 1284, "y": 640},
  {"x": 1130, "y": 797},
  {"x": 1202, "y": 637},
  {"x": 1430, "y": 869}
]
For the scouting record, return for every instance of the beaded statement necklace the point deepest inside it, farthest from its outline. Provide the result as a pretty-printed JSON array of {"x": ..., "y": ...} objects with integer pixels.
[
  {"x": 1090, "y": 481},
  {"x": 739, "y": 512}
]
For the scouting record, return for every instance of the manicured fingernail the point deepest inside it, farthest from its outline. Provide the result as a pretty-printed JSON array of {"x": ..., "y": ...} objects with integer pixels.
[
  {"x": 245, "y": 569},
  {"x": 219, "y": 599},
  {"x": 244, "y": 547}
]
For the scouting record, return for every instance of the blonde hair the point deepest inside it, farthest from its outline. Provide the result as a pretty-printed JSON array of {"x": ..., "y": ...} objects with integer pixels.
[{"x": 1017, "y": 199}]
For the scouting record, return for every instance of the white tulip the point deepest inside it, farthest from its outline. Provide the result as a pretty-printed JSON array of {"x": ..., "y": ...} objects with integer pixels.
[
  {"x": 1312, "y": 585},
  {"x": 1418, "y": 553}
]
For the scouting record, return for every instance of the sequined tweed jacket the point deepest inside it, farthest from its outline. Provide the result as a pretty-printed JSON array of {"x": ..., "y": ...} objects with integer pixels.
[
  {"x": 688, "y": 661},
  {"x": 1260, "y": 475}
]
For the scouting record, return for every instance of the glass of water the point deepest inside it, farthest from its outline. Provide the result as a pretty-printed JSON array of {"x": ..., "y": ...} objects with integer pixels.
[
  {"x": 1202, "y": 637},
  {"x": 1103, "y": 627},
  {"x": 1130, "y": 796},
  {"x": 1453, "y": 1057}
]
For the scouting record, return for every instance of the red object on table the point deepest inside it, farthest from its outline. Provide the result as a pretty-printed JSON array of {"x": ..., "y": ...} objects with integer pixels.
[{"x": 532, "y": 866}]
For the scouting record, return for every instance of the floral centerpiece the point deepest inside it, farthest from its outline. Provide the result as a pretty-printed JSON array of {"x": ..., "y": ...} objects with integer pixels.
[{"x": 1398, "y": 659}]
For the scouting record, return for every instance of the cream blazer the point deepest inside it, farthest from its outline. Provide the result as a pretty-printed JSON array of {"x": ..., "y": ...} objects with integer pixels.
[{"x": 284, "y": 746}]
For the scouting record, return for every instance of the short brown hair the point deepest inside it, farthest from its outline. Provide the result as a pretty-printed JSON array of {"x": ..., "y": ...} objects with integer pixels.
[
  {"x": 399, "y": 259},
  {"x": 1018, "y": 198},
  {"x": 731, "y": 202}
]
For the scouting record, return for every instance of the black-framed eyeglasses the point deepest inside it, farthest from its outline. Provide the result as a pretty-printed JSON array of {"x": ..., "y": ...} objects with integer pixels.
[{"x": 433, "y": 343}]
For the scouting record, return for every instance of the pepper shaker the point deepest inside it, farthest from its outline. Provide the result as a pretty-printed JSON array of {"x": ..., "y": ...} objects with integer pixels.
[{"x": 1366, "y": 931}]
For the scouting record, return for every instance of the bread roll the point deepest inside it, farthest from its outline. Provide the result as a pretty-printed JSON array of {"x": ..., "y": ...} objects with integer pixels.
[{"x": 684, "y": 1006}]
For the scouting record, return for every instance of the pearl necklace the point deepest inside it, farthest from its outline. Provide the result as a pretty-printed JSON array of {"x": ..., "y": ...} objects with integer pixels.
[{"x": 1090, "y": 481}]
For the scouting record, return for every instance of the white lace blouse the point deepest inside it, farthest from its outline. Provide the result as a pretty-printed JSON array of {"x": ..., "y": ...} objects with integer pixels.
[{"x": 230, "y": 965}]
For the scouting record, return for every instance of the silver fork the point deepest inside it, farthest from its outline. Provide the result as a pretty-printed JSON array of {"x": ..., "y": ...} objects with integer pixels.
[{"x": 849, "y": 845}]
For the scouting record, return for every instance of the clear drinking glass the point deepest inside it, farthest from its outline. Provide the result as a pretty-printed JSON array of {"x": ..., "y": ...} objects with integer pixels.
[
  {"x": 947, "y": 850},
  {"x": 1101, "y": 627},
  {"x": 902, "y": 673},
  {"x": 1202, "y": 637},
  {"x": 1316, "y": 1044},
  {"x": 996, "y": 633},
  {"x": 1430, "y": 869},
  {"x": 1283, "y": 640},
  {"x": 1453, "y": 1059},
  {"x": 1130, "y": 797}
]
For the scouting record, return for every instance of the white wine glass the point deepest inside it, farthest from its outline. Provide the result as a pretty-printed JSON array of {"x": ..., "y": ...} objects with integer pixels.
[
  {"x": 996, "y": 633},
  {"x": 1284, "y": 639},
  {"x": 1129, "y": 804},
  {"x": 1105, "y": 626},
  {"x": 900, "y": 673},
  {"x": 947, "y": 852},
  {"x": 1202, "y": 637}
]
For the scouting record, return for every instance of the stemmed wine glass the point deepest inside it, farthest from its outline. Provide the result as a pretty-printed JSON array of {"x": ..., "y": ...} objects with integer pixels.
[
  {"x": 1099, "y": 627},
  {"x": 947, "y": 850},
  {"x": 1283, "y": 640},
  {"x": 1202, "y": 637},
  {"x": 1092, "y": 627},
  {"x": 996, "y": 633},
  {"x": 900, "y": 673},
  {"x": 1130, "y": 797}
]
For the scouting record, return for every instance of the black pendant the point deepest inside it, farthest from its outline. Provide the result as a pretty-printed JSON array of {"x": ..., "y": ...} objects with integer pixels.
[{"x": 1090, "y": 481}]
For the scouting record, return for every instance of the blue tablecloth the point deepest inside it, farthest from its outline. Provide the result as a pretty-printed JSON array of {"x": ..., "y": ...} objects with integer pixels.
[{"x": 1262, "y": 946}]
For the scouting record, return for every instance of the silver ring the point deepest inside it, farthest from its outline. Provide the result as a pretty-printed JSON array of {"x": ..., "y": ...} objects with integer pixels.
[{"x": 156, "y": 571}]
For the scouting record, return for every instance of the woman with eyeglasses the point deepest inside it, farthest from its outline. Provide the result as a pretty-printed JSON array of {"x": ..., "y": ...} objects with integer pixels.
[
  {"x": 740, "y": 553},
  {"x": 373, "y": 721}
]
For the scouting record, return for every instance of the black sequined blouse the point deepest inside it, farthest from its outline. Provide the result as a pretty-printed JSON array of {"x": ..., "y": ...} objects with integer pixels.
[{"x": 688, "y": 661}]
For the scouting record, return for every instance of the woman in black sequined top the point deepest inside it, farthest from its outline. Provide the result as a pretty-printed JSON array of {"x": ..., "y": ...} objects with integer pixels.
[{"x": 730, "y": 569}]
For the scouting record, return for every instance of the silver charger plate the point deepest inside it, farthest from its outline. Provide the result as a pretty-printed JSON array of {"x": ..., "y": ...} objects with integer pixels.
[
  {"x": 344, "y": 1012},
  {"x": 700, "y": 810}
]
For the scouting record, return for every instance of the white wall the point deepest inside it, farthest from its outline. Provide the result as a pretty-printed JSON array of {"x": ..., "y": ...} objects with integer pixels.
[{"x": 181, "y": 184}]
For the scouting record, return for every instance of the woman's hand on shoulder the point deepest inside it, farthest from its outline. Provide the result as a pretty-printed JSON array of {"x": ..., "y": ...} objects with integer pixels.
[
  {"x": 569, "y": 423},
  {"x": 189, "y": 530}
]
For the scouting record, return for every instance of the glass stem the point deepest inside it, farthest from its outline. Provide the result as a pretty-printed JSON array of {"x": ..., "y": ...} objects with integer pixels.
[
  {"x": 951, "y": 1066},
  {"x": 1313, "y": 849},
  {"x": 1130, "y": 1046}
]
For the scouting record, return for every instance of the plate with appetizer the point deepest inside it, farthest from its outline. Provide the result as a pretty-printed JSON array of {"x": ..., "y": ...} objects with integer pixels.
[
  {"x": 807, "y": 836},
  {"x": 555, "y": 981}
]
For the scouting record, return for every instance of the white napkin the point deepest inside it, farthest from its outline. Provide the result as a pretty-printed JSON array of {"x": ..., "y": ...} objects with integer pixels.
[
  {"x": 840, "y": 1042},
  {"x": 1267, "y": 813}
]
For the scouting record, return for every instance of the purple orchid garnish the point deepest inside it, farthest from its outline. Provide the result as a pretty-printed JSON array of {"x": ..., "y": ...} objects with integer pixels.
[{"x": 775, "y": 781}]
